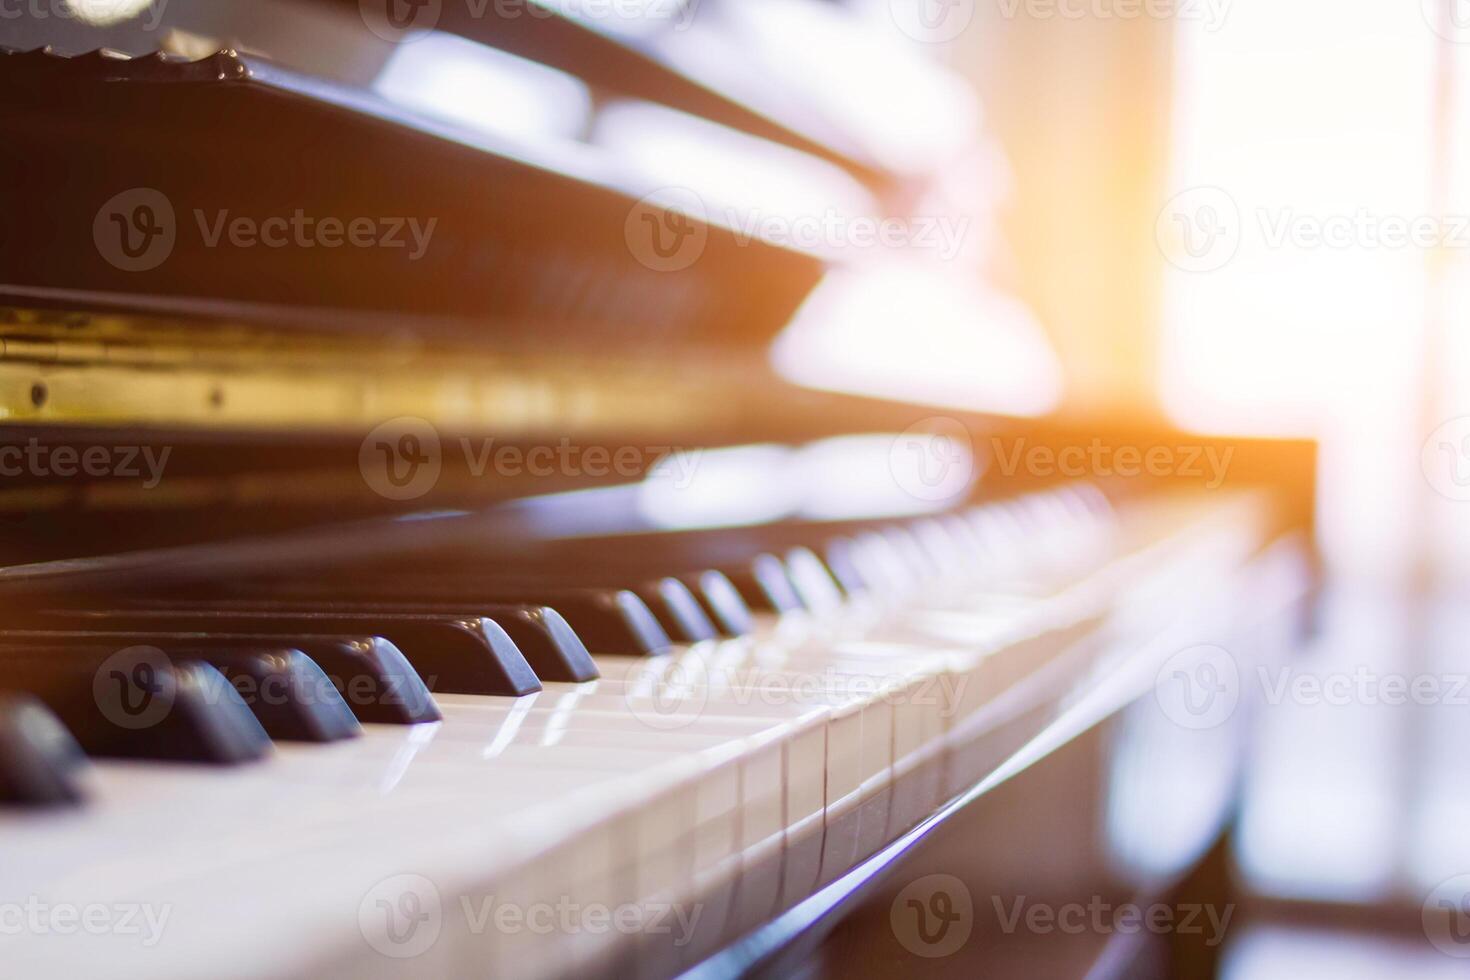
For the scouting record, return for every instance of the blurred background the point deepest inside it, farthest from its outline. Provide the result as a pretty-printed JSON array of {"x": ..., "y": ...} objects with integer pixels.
[{"x": 1212, "y": 210}]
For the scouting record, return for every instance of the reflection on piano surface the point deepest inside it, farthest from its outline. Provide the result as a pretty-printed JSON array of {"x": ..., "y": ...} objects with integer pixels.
[{"x": 415, "y": 564}]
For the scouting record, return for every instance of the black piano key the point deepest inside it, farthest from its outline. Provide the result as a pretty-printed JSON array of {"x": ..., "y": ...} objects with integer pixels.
[
  {"x": 721, "y": 601},
  {"x": 542, "y": 635},
  {"x": 813, "y": 582},
  {"x": 765, "y": 585},
  {"x": 370, "y": 674},
  {"x": 998, "y": 527},
  {"x": 845, "y": 566},
  {"x": 39, "y": 759},
  {"x": 453, "y": 654},
  {"x": 607, "y": 620},
  {"x": 138, "y": 703},
  {"x": 943, "y": 551},
  {"x": 289, "y": 694},
  {"x": 612, "y": 621},
  {"x": 554, "y": 649},
  {"x": 678, "y": 611},
  {"x": 373, "y": 677},
  {"x": 967, "y": 541},
  {"x": 883, "y": 563},
  {"x": 910, "y": 552}
]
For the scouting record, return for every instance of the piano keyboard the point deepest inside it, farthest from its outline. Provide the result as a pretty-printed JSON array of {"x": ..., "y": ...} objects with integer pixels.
[{"x": 631, "y": 783}]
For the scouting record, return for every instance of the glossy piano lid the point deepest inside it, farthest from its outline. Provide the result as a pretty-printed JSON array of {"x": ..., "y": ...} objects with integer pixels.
[
  {"x": 743, "y": 64},
  {"x": 877, "y": 105},
  {"x": 533, "y": 239}
]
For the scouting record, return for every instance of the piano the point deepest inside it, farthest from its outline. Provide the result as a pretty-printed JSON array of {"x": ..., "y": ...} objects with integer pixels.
[{"x": 416, "y": 562}]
